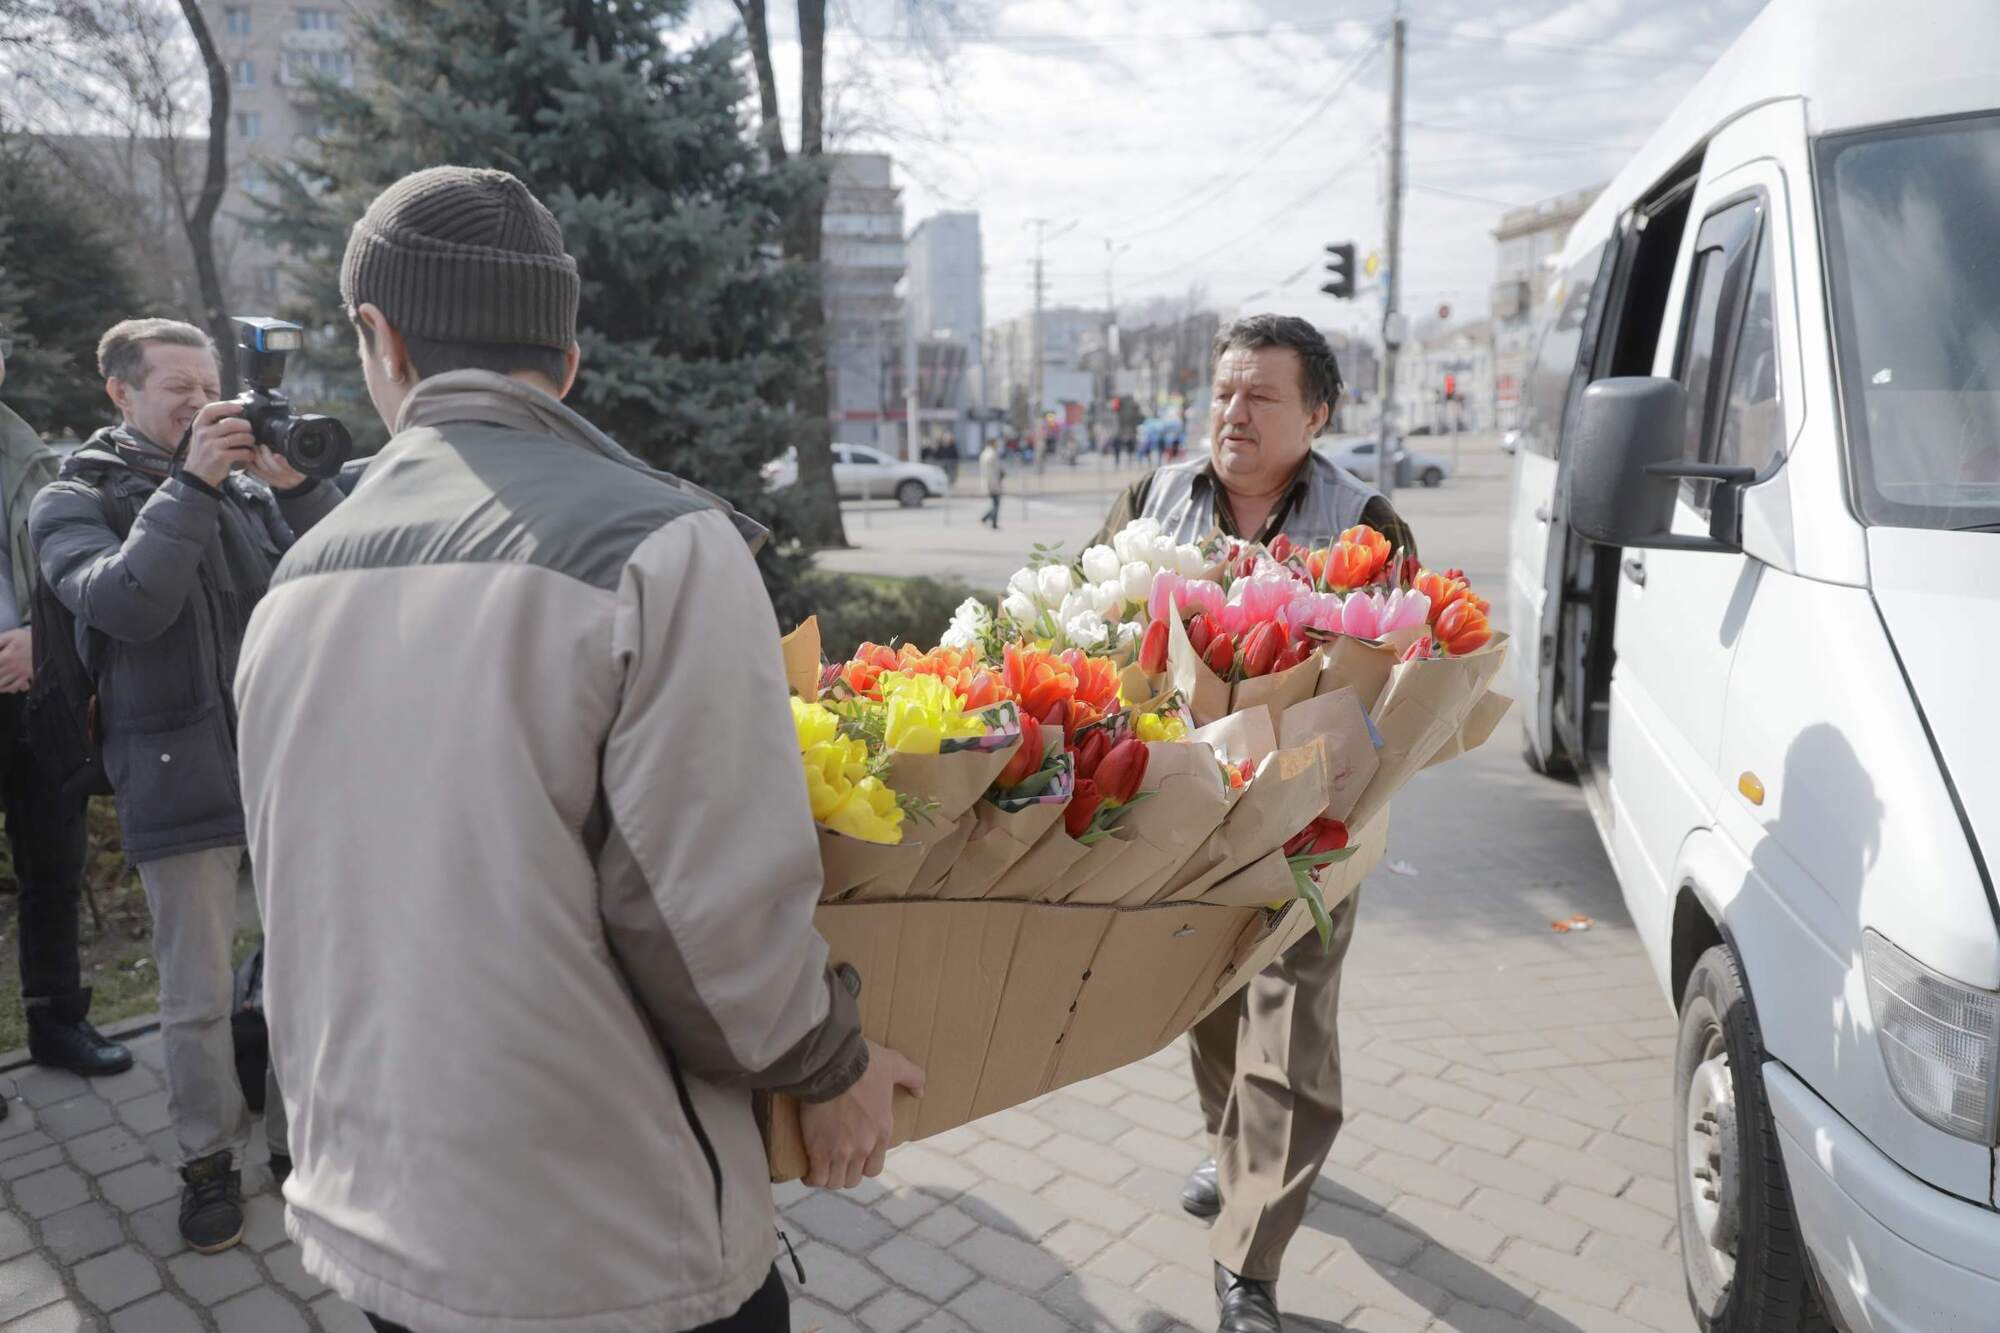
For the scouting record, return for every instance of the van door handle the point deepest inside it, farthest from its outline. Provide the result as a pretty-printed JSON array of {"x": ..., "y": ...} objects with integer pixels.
[
  {"x": 1541, "y": 513},
  {"x": 1634, "y": 569}
]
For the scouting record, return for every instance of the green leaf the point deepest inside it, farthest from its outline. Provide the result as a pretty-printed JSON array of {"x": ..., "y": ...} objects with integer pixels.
[{"x": 1316, "y": 904}]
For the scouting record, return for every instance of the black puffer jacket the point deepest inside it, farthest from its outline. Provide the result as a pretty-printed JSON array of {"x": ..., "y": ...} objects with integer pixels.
[{"x": 160, "y": 620}]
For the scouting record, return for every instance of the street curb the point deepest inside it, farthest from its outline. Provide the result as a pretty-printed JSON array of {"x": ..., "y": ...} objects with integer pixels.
[{"x": 136, "y": 1026}]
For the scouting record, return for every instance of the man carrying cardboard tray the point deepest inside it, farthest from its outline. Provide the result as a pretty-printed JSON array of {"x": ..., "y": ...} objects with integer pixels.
[{"x": 1266, "y": 1062}]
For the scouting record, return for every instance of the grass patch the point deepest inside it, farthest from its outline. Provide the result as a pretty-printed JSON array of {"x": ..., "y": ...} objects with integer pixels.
[{"x": 115, "y": 939}]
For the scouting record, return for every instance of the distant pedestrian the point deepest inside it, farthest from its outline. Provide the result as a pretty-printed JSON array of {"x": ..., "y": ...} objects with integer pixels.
[{"x": 991, "y": 476}]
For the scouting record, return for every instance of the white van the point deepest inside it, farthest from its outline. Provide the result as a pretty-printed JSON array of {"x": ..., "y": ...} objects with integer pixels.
[{"x": 1755, "y": 583}]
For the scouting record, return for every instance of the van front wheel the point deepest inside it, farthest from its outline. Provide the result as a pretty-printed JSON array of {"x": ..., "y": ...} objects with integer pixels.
[{"x": 1745, "y": 1261}]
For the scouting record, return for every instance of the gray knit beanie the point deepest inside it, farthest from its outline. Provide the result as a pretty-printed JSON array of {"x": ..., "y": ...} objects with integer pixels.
[{"x": 463, "y": 254}]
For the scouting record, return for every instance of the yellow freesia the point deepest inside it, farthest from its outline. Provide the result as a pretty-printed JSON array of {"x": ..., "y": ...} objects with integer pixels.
[
  {"x": 924, "y": 712},
  {"x": 1161, "y": 727},
  {"x": 869, "y": 812}
]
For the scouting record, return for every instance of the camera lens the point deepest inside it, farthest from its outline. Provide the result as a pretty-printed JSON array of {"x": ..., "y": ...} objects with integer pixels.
[{"x": 317, "y": 445}]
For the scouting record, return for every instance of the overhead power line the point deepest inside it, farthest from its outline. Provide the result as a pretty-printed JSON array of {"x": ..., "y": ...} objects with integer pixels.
[
  {"x": 1489, "y": 132},
  {"x": 1461, "y": 194},
  {"x": 1491, "y": 37}
]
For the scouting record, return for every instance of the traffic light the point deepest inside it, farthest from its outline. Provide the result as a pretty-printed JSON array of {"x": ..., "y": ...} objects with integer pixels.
[
  {"x": 1116, "y": 403},
  {"x": 1450, "y": 384},
  {"x": 1340, "y": 270}
]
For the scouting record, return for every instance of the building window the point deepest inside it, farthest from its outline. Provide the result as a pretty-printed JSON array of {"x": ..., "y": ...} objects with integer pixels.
[
  {"x": 236, "y": 21},
  {"x": 318, "y": 20},
  {"x": 249, "y": 125},
  {"x": 243, "y": 73},
  {"x": 336, "y": 65}
]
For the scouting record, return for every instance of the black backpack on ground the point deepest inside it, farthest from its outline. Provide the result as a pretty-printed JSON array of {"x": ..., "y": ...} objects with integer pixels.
[{"x": 61, "y": 713}]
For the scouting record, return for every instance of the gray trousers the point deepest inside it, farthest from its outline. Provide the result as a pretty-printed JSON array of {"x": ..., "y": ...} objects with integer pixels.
[
  {"x": 193, "y": 900},
  {"x": 1267, "y": 1066}
]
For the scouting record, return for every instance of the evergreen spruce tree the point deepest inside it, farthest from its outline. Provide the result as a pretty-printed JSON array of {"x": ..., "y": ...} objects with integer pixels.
[
  {"x": 63, "y": 282},
  {"x": 630, "y": 128}
]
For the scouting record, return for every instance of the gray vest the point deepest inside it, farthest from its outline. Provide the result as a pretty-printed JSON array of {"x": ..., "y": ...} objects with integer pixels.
[{"x": 1182, "y": 498}]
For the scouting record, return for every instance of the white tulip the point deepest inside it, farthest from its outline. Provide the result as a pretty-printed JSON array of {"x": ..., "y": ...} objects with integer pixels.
[
  {"x": 1130, "y": 633},
  {"x": 1019, "y": 608},
  {"x": 959, "y": 635},
  {"x": 1100, "y": 563},
  {"x": 1053, "y": 583},
  {"x": 1025, "y": 582},
  {"x": 1136, "y": 579},
  {"x": 1132, "y": 538},
  {"x": 1086, "y": 631},
  {"x": 1189, "y": 562}
]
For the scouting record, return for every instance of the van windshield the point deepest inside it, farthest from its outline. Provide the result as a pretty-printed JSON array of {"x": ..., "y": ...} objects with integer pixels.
[{"x": 1910, "y": 218}]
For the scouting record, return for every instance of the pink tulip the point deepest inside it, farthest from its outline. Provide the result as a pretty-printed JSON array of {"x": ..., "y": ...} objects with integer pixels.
[
  {"x": 1313, "y": 610},
  {"x": 1258, "y": 600},
  {"x": 1374, "y": 615},
  {"x": 1169, "y": 588},
  {"x": 1191, "y": 595}
]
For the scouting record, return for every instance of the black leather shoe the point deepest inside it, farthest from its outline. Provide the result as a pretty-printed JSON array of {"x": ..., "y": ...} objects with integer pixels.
[
  {"x": 1201, "y": 1195},
  {"x": 1248, "y": 1304},
  {"x": 60, "y": 1036}
]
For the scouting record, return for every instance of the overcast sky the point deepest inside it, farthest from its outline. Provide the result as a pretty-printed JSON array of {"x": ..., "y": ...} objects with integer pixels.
[{"x": 1222, "y": 143}]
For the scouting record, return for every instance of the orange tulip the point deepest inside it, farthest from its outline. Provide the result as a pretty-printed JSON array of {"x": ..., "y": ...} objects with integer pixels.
[
  {"x": 1442, "y": 589},
  {"x": 1463, "y": 628},
  {"x": 1375, "y": 549},
  {"x": 1096, "y": 679},
  {"x": 1153, "y": 649},
  {"x": 1037, "y": 678}
]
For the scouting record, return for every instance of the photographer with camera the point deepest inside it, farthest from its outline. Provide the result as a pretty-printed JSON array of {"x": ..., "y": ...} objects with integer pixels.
[
  {"x": 159, "y": 538},
  {"x": 45, "y": 823}
]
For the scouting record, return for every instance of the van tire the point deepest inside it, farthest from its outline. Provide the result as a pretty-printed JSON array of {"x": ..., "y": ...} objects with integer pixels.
[
  {"x": 910, "y": 494},
  {"x": 1771, "y": 1287},
  {"x": 1559, "y": 769}
]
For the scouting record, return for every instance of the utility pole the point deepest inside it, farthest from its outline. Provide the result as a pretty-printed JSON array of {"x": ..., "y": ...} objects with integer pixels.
[
  {"x": 910, "y": 433},
  {"x": 1035, "y": 340},
  {"x": 1392, "y": 315}
]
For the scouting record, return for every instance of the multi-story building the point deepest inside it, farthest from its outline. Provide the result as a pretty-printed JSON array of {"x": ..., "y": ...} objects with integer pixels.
[
  {"x": 1444, "y": 380},
  {"x": 1528, "y": 239},
  {"x": 946, "y": 304},
  {"x": 862, "y": 256},
  {"x": 1068, "y": 334},
  {"x": 270, "y": 48}
]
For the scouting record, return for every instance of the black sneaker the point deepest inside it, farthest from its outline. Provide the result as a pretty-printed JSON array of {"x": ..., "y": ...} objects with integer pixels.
[
  {"x": 281, "y": 1167},
  {"x": 61, "y": 1037},
  {"x": 211, "y": 1204}
]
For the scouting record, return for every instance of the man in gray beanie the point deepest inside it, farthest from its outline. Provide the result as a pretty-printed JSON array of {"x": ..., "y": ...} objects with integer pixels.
[{"x": 521, "y": 992}]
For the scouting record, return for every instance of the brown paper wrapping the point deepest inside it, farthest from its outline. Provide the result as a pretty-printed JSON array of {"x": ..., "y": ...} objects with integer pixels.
[
  {"x": 1424, "y": 706},
  {"x": 941, "y": 842},
  {"x": 955, "y": 780},
  {"x": 1030, "y": 878},
  {"x": 1275, "y": 693},
  {"x": 1359, "y": 665},
  {"x": 801, "y": 649},
  {"x": 1479, "y": 725},
  {"x": 1288, "y": 793},
  {"x": 1143, "y": 693},
  {"x": 1206, "y": 693},
  {"x": 848, "y": 863},
  {"x": 998, "y": 840},
  {"x": 1265, "y": 882},
  {"x": 1189, "y": 801},
  {"x": 1096, "y": 859},
  {"x": 1239, "y": 737},
  {"x": 1350, "y": 750}
]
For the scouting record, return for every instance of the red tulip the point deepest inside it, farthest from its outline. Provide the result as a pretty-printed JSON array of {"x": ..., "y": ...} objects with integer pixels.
[
  {"x": 1261, "y": 647},
  {"x": 1221, "y": 654},
  {"x": 1246, "y": 566},
  {"x": 1282, "y": 548},
  {"x": 1463, "y": 628},
  {"x": 1153, "y": 649},
  {"x": 1299, "y": 843},
  {"x": 1200, "y": 631},
  {"x": 1295, "y": 654},
  {"x": 1090, "y": 752},
  {"x": 1082, "y": 808},
  {"x": 1330, "y": 835},
  {"x": 1418, "y": 651},
  {"x": 1056, "y": 717},
  {"x": 1027, "y": 759},
  {"x": 1122, "y": 770}
]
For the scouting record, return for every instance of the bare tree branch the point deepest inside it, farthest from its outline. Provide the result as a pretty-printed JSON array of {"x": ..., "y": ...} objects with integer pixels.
[{"x": 771, "y": 130}]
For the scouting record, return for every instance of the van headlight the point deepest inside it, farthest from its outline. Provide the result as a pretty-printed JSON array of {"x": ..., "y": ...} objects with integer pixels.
[{"x": 1938, "y": 1039}]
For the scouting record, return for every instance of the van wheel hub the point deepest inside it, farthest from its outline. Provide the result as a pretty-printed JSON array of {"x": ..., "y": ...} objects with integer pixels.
[{"x": 1714, "y": 1171}]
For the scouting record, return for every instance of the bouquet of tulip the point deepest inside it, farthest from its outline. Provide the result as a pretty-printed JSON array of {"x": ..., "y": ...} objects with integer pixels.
[{"x": 1096, "y": 807}]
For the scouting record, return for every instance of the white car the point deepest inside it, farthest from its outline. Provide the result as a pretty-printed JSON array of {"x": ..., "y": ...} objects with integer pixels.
[
  {"x": 1358, "y": 457},
  {"x": 1755, "y": 558},
  {"x": 861, "y": 472}
]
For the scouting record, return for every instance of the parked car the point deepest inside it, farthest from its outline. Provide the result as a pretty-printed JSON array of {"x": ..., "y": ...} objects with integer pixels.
[
  {"x": 861, "y": 472},
  {"x": 1755, "y": 558},
  {"x": 1412, "y": 465}
]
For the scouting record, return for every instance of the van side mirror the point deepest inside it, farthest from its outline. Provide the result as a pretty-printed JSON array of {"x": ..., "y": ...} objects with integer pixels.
[{"x": 1626, "y": 465}]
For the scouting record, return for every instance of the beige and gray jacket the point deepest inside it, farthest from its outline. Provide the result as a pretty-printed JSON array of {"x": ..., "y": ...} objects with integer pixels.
[{"x": 537, "y": 875}]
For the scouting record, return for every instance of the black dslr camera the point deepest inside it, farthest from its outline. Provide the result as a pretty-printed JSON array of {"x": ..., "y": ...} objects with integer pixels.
[{"x": 313, "y": 444}]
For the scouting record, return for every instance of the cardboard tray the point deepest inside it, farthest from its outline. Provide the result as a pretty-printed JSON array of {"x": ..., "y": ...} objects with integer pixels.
[{"x": 1001, "y": 1002}]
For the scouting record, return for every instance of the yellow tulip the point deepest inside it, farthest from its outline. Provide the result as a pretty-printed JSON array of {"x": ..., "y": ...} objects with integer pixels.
[
  {"x": 1161, "y": 727},
  {"x": 924, "y": 712},
  {"x": 869, "y": 812},
  {"x": 816, "y": 725}
]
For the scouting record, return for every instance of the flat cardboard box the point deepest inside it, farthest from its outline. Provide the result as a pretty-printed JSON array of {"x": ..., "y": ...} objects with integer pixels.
[{"x": 1001, "y": 1002}]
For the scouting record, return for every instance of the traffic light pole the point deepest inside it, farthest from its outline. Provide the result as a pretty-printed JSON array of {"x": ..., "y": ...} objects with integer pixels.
[{"x": 1385, "y": 462}]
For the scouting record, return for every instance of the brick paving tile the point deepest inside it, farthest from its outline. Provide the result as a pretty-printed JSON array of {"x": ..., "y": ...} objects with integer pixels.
[
  {"x": 1529, "y": 1122},
  {"x": 1410, "y": 1176},
  {"x": 1565, "y": 1314},
  {"x": 147, "y": 1114},
  {"x": 158, "y": 1229},
  {"x": 1471, "y": 1281},
  {"x": 40, "y": 1087},
  {"x": 1396, "y": 1137},
  {"x": 892, "y": 1312},
  {"x": 1470, "y": 1130},
  {"x": 1107, "y": 1208},
  {"x": 1453, "y": 1228},
  {"x": 14, "y": 1236},
  {"x": 49, "y": 1192},
  {"x": 1561, "y": 1103},
  {"x": 106, "y": 1150},
  {"x": 1012, "y": 1210},
  {"x": 337, "y": 1316},
  {"x": 945, "y": 1227},
  {"x": 1181, "y": 1292},
  {"x": 1178, "y": 1240},
  {"x": 30, "y": 1163},
  {"x": 1123, "y": 1263},
  {"x": 62, "y": 1317},
  {"x": 118, "y": 1278},
  {"x": 837, "y": 1279},
  {"x": 1620, "y": 1217},
  {"x": 833, "y": 1219},
  {"x": 27, "y": 1140},
  {"x": 1654, "y": 1193},
  {"x": 1009, "y": 1260},
  {"x": 1366, "y": 1233},
  {"x": 214, "y": 1278},
  {"x": 904, "y": 1208},
  {"x": 259, "y": 1311},
  {"x": 76, "y": 1117},
  {"x": 163, "y": 1313},
  {"x": 140, "y": 1185},
  {"x": 288, "y": 1269},
  {"x": 1534, "y": 1220},
  {"x": 1638, "y": 1156},
  {"x": 1574, "y": 1277},
  {"x": 1153, "y": 1189},
  {"x": 1074, "y": 1242},
  {"x": 1003, "y": 1161},
  {"x": 28, "y": 1283},
  {"x": 1444, "y": 1096},
  {"x": 1516, "y": 1174},
  {"x": 810, "y": 1314},
  {"x": 924, "y": 1168},
  {"x": 1092, "y": 1161},
  {"x": 1467, "y": 1317},
  {"x": 1018, "y": 1127},
  {"x": 923, "y": 1268},
  {"x": 992, "y": 1308},
  {"x": 1396, "y": 1290},
  {"x": 263, "y": 1222},
  {"x": 1354, "y": 1188},
  {"x": 1651, "y": 1265},
  {"x": 1662, "y": 1308}
]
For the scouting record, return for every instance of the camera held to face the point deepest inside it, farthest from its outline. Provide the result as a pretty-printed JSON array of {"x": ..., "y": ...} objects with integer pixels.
[{"x": 311, "y": 443}]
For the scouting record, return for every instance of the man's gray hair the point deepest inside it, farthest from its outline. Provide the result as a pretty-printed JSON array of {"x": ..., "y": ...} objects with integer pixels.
[
  {"x": 121, "y": 352},
  {"x": 1320, "y": 382}
]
